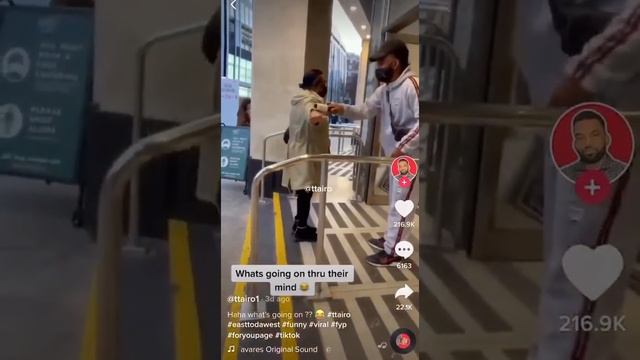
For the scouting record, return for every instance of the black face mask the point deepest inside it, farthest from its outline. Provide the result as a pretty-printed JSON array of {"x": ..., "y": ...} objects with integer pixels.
[
  {"x": 384, "y": 74},
  {"x": 323, "y": 91}
]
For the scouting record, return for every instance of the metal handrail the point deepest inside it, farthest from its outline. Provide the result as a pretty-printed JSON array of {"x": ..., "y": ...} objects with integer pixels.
[
  {"x": 496, "y": 114},
  {"x": 323, "y": 159},
  {"x": 343, "y": 131},
  {"x": 355, "y": 137},
  {"x": 138, "y": 115},
  {"x": 357, "y": 152},
  {"x": 272, "y": 135},
  {"x": 442, "y": 44},
  {"x": 352, "y": 128},
  {"x": 110, "y": 224},
  {"x": 344, "y": 127},
  {"x": 340, "y": 131}
]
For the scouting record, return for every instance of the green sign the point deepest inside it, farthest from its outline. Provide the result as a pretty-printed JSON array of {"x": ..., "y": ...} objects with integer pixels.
[
  {"x": 234, "y": 148},
  {"x": 45, "y": 66}
]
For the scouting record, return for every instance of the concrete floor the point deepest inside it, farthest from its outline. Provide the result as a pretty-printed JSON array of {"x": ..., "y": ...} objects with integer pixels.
[{"x": 46, "y": 267}]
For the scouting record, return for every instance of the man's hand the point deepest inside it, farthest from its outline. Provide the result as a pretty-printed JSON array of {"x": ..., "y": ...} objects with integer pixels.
[
  {"x": 397, "y": 153},
  {"x": 570, "y": 92},
  {"x": 336, "y": 109}
]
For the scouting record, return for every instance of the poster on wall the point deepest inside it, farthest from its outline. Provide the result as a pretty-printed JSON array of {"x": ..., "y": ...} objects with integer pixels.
[
  {"x": 230, "y": 100},
  {"x": 45, "y": 66},
  {"x": 234, "y": 148}
]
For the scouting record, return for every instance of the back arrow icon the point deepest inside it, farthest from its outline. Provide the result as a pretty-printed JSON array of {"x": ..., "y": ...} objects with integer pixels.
[
  {"x": 233, "y": 4},
  {"x": 405, "y": 291}
]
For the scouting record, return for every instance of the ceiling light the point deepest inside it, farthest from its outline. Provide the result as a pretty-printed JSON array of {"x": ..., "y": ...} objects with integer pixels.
[
  {"x": 353, "y": 8},
  {"x": 368, "y": 36},
  {"x": 363, "y": 27}
]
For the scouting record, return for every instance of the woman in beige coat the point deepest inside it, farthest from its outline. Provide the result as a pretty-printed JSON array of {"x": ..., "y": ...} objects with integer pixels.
[{"x": 308, "y": 134}]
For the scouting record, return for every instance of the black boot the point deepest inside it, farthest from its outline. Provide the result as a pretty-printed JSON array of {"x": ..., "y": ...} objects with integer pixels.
[
  {"x": 306, "y": 233},
  {"x": 296, "y": 223}
]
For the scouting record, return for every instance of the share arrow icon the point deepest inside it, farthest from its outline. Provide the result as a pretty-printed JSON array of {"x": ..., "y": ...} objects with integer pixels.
[{"x": 405, "y": 291}]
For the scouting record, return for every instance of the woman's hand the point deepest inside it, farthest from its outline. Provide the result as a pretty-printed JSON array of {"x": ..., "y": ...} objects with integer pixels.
[
  {"x": 316, "y": 117},
  {"x": 570, "y": 92}
]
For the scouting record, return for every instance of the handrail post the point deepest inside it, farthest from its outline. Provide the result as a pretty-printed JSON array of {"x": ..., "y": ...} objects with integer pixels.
[
  {"x": 321, "y": 255},
  {"x": 136, "y": 125},
  {"x": 254, "y": 223},
  {"x": 437, "y": 221},
  {"x": 354, "y": 173},
  {"x": 108, "y": 274},
  {"x": 264, "y": 162},
  {"x": 324, "y": 164},
  {"x": 357, "y": 152},
  {"x": 254, "y": 235},
  {"x": 264, "y": 158},
  {"x": 110, "y": 230}
]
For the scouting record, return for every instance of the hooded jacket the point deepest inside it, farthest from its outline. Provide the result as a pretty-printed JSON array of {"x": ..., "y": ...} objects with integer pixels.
[
  {"x": 398, "y": 106},
  {"x": 305, "y": 138}
]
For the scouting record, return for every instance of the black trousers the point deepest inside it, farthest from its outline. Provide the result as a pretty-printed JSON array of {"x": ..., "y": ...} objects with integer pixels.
[{"x": 304, "y": 206}]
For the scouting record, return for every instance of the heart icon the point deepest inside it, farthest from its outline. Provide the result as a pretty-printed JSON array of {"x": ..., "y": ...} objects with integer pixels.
[
  {"x": 592, "y": 271},
  {"x": 404, "y": 207}
]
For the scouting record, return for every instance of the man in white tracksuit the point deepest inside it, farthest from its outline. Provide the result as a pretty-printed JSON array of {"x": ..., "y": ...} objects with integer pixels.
[
  {"x": 604, "y": 69},
  {"x": 395, "y": 103}
]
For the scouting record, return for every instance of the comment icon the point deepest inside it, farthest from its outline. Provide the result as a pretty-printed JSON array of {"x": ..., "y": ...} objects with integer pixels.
[{"x": 404, "y": 249}]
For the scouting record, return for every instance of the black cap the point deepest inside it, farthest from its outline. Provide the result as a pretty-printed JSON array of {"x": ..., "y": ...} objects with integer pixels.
[
  {"x": 395, "y": 47},
  {"x": 310, "y": 78}
]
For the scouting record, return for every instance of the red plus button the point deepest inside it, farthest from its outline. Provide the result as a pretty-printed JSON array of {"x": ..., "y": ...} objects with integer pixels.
[
  {"x": 404, "y": 182},
  {"x": 593, "y": 187}
]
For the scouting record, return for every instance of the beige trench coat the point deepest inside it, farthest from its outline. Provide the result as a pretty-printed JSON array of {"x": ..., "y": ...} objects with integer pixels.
[{"x": 305, "y": 138}]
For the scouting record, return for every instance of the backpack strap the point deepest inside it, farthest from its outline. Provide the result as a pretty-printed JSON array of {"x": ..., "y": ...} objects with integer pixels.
[{"x": 415, "y": 84}]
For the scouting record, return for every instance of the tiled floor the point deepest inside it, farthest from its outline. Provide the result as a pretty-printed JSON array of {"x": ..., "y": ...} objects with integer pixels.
[{"x": 46, "y": 267}]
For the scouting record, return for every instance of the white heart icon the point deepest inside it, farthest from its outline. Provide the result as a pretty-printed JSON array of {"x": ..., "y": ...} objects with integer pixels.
[
  {"x": 404, "y": 207},
  {"x": 591, "y": 271}
]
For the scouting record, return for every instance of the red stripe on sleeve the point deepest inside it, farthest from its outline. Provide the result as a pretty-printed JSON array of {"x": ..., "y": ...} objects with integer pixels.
[{"x": 611, "y": 43}]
